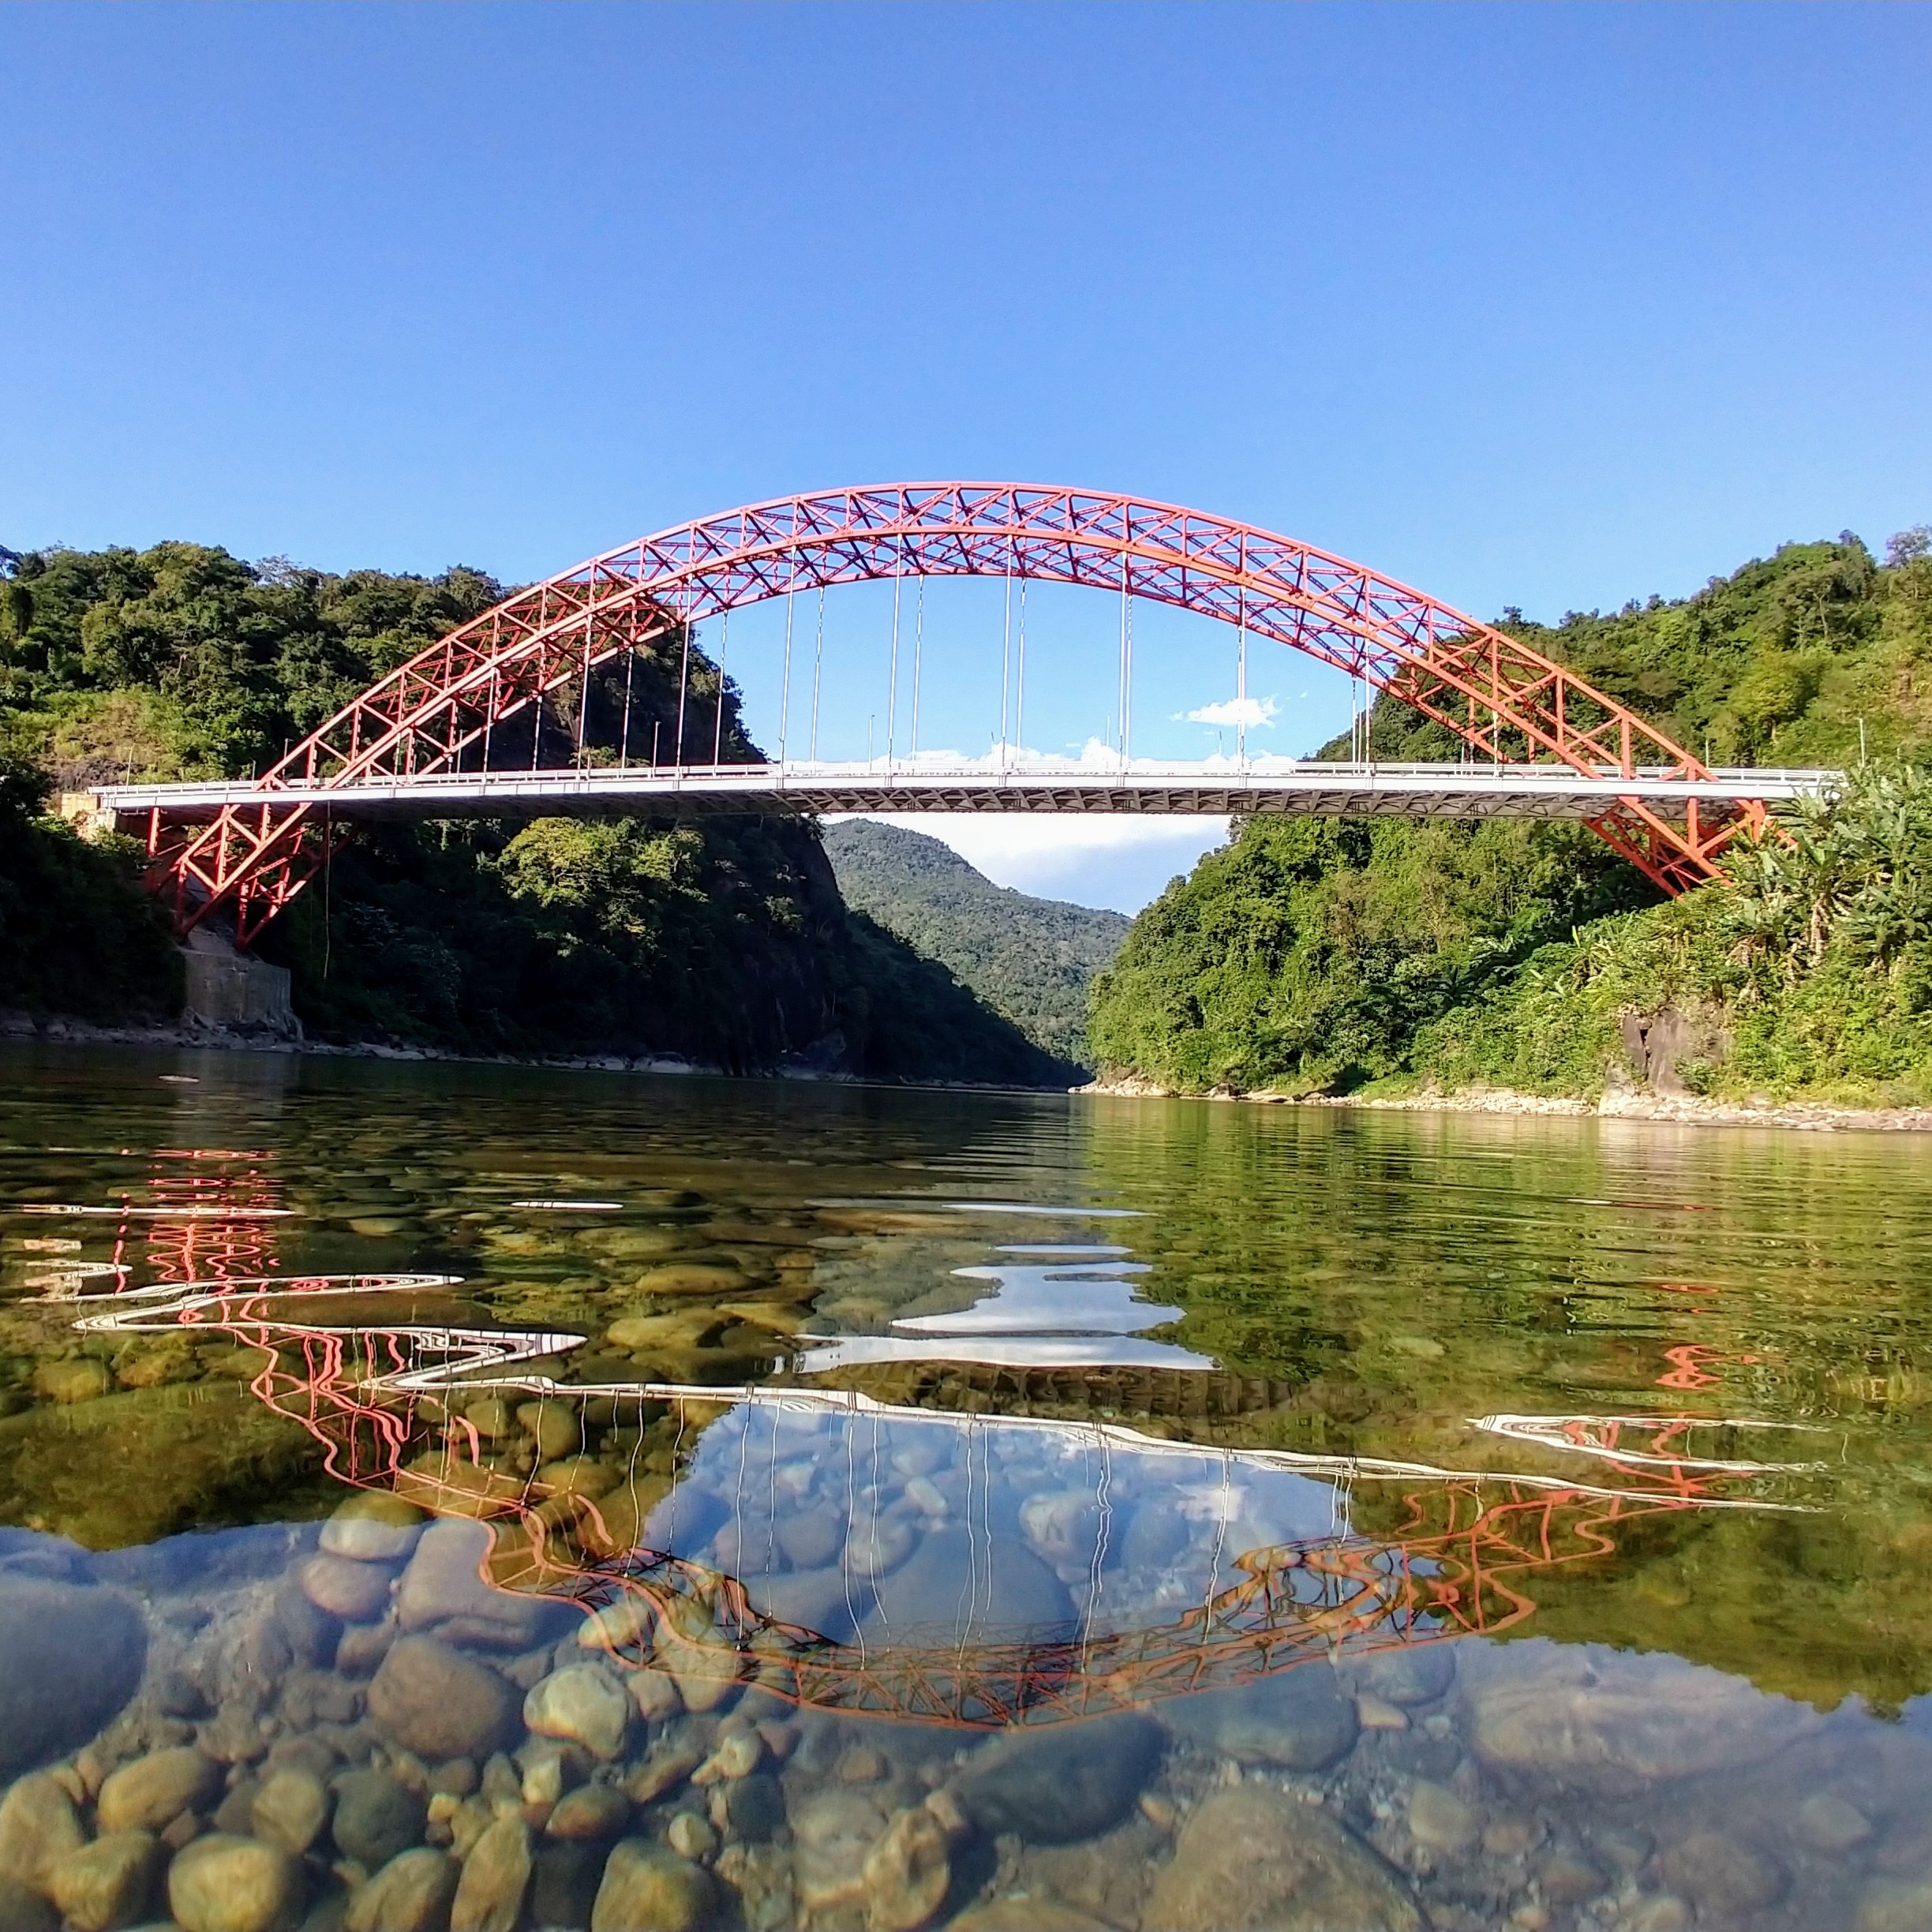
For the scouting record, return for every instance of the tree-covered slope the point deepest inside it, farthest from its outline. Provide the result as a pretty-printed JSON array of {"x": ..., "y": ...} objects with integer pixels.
[
  {"x": 725, "y": 941},
  {"x": 1030, "y": 960},
  {"x": 1777, "y": 663},
  {"x": 1311, "y": 956}
]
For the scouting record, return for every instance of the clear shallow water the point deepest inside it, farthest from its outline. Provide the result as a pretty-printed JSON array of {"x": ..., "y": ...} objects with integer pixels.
[{"x": 690, "y": 1503}]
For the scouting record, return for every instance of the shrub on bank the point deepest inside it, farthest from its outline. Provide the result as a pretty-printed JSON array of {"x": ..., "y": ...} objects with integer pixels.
[{"x": 1810, "y": 963}]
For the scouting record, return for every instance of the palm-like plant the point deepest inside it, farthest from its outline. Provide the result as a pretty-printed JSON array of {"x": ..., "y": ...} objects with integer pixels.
[{"x": 1855, "y": 864}]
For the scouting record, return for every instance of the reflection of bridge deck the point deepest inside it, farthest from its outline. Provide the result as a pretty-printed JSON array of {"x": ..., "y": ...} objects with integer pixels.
[{"x": 1212, "y": 787}]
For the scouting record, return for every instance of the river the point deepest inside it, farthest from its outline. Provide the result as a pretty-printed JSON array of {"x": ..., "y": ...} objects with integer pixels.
[{"x": 444, "y": 1496}]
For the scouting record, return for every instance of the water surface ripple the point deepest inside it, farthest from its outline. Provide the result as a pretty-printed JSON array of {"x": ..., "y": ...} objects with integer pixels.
[{"x": 453, "y": 1497}]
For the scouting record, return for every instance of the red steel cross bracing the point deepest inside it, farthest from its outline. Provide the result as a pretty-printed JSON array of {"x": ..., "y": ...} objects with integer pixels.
[{"x": 430, "y": 714}]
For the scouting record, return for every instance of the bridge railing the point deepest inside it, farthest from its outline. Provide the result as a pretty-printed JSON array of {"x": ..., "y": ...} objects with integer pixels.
[{"x": 1733, "y": 781}]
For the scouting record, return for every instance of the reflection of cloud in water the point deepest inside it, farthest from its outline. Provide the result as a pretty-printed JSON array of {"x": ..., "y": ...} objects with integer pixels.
[
  {"x": 1080, "y": 1314},
  {"x": 1093, "y": 1299},
  {"x": 1032, "y": 1352}
]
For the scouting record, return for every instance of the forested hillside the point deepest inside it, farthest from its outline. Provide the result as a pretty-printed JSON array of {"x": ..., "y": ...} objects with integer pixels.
[
  {"x": 725, "y": 941},
  {"x": 1320, "y": 956},
  {"x": 1030, "y": 960}
]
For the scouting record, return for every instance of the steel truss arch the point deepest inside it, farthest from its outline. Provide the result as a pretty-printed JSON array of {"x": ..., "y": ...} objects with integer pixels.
[{"x": 1492, "y": 690}]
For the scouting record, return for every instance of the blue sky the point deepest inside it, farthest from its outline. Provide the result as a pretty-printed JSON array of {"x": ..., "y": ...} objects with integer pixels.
[{"x": 1540, "y": 306}]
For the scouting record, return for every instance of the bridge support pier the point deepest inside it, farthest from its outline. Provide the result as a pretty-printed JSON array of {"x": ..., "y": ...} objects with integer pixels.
[{"x": 236, "y": 994}]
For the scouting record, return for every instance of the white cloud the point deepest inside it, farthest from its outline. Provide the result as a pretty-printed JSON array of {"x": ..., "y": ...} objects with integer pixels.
[{"x": 1257, "y": 713}]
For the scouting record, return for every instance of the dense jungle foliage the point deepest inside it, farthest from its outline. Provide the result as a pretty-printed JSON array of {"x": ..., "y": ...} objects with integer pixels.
[
  {"x": 1030, "y": 960},
  {"x": 1317, "y": 957},
  {"x": 76, "y": 935},
  {"x": 725, "y": 942}
]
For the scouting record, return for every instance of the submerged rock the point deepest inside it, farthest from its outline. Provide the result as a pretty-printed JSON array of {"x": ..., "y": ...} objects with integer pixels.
[
  {"x": 591, "y": 1811},
  {"x": 220, "y": 1884},
  {"x": 489, "y": 1895},
  {"x": 755, "y": 1808},
  {"x": 933, "y": 1593},
  {"x": 290, "y": 1810},
  {"x": 583, "y": 1704},
  {"x": 372, "y": 1525},
  {"x": 1722, "y": 1878},
  {"x": 1441, "y": 1821},
  {"x": 103, "y": 1886},
  {"x": 1416, "y": 1673},
  {"x": 22, "y": 1910},
  {"x": 1600, "y": 1717},
  {"x": 1300, "y": 1719},
  {"x": 692, "y": 1836},
  {"x": 648, "y": 1885},
  {"x": 341, "y": 1586},
  {"x": 411, "y": 1893},
  {"x": 1828, "y": 1823},
  {"x": 153, "y": 1791},
  {"x": 1062, "y": 1781},
  {"x": 70, "y": 1657},
  {"x": 1063, "y": 1528},
  {"x": 1025, "y": 1915},
  {"x": 834, "y": 1831},
  {"x": 439, "y": 1703},
  {"x": 564, "y": 1883},
  {"x": 37, "y": 1825},
  {"x": 1257, "y": 1860},
  {"x": 77, "y": 1381},
  {"x": 908, "y": 1873},
  {"x": 811, "y": 1538},
  {"x": 375, "y": 1818},
  {"x": 443, "y": 1592}
]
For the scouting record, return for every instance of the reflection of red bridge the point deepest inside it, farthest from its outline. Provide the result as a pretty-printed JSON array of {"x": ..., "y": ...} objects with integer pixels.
[
  {"x": 373, "y": 1392},
  {"x": 440, "y": 716}
]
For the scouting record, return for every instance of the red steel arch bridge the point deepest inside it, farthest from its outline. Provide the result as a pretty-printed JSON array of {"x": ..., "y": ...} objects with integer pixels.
[{"x": 1539, "y": 739}]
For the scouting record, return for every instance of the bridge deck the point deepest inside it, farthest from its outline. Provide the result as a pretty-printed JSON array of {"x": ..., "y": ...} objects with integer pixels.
[{"x": 1275, "y": 786}]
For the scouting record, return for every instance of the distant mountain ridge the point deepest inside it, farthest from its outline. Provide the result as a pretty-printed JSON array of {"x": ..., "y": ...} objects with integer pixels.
[{"x": 1030, "y": 959}]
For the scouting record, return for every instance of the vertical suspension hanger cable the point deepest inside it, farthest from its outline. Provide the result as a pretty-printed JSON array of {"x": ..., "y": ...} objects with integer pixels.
[
  {"x": 817, "y": 662},
  {"x": 1020, "y": 677},
  {"x": 583, "y": 697},
  {"x": 677, "y": 750},
  {"x": 623, "y": 742},
  {"x": 892, "y": 677},
  {"x": 919, "y": 648},
  {"x": 717, "y": 720},
  {"x": 1120, "y": 710},
  {"x": 1240, "y": 663},
  {"x": 537, "y": 712},
  {"x": 784, "y": 703},
  {"x": 1005, "y": 649}
]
